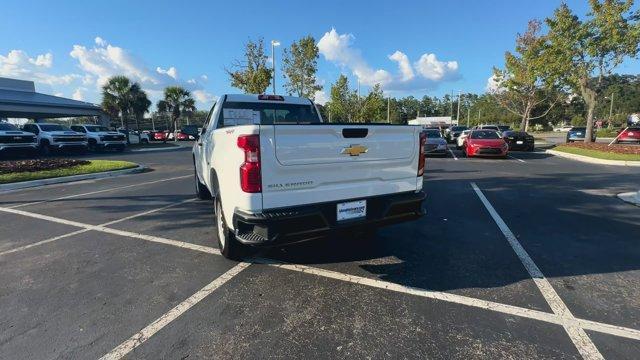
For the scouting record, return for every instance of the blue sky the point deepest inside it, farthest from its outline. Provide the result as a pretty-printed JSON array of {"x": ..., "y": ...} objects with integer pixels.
[{"x": 70, "y": 47}]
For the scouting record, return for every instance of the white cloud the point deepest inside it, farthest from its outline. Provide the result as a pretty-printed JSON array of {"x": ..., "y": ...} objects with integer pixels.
[
  {"x": 424, "y": 74},
  {"x": 78, "y": 95},
  {"x": 403, "y": 65},
  {"x": 17, "y": 64},
  {"x": 492, "y": 84},
  {"x": 204, "y": 97},
  {"x": 321, "y": 97},
  {"x": 44, "y": 60},
  {"x": 100, "y": 41},
  {"x": 170, "y": 71},
  {"x": 432, "y": 69},
  {"x": 96, "y": 63}
]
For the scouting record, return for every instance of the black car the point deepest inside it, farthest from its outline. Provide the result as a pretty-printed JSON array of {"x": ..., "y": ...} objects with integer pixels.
[
  {"x": 518, "y": 140},
  {"x": 578, "y": 134}
]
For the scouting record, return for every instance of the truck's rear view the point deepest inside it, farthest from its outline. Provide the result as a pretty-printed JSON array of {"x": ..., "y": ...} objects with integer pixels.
[{"x": 278, "y": 174}]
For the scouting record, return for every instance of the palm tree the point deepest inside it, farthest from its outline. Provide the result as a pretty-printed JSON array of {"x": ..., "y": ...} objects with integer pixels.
[
  {"x": 117, "y": 94},
  {"x": 140, "y": 104},
  {"x": 177, "y": 101}
]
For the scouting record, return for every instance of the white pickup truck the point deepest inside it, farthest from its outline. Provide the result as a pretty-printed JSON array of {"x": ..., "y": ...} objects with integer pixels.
[{"x": 278, "y": 174}]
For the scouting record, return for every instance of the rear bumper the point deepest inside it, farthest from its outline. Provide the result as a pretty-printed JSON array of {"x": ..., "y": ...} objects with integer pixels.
[
  {"x": 19, "y": 146},
  {"x": 300, "y": 223}
]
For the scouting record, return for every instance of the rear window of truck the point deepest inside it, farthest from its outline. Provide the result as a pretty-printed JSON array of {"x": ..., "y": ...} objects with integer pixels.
[{"x": 267, "y": 113}]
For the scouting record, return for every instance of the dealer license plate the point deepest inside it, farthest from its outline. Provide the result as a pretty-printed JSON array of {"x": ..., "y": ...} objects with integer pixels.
[{"x": 351, "y": 210}]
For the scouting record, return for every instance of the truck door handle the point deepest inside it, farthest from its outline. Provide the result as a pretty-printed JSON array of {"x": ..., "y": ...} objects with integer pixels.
[{"x": 352, "y": 133}]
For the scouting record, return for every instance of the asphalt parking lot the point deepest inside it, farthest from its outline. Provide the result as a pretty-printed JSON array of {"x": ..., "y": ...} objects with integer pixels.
[{"x": 526, "y": 257}]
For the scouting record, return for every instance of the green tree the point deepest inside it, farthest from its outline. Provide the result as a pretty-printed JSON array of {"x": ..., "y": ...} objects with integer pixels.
[
  {"x": 140, "y": 104},
  {"x": 581, "y": 53},
  {"x": 176, "y": 102},
  {"x": 118, "y": 95},
  {"x": 251, "y": 75},
  {"x": 338, "y": 104},
  {"x": 521, "y": 84},
  {"x": 299, "y": 66},
  {"x": 374, "y": 106}
]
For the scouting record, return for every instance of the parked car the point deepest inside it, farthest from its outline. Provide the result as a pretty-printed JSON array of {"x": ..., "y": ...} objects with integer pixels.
[
  {"x": 485, "y": 143},
  {"x": 578, "y": 134},
  {"x": 135, "y": 137},
  {"x": 161, "y": 135},
  {"x": 56, "y": 137},
  {"x": 462, "y": 138},
  {"x": 629, "y": 135},
  {"x": 518, "y": 140},
  {"x": 278, "y": 174},
  {"x": 452, "y": 133},
  {"x": 436, "y": 144},
  {"x": 14, "y": 139},
  {"x": 562, "y": 128},
  {"x": 100, "y": 137},
  {"x": 487, "y": 127}
]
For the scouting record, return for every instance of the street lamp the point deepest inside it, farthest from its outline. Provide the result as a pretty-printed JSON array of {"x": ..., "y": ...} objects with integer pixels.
[{"x": 274, "y": 43}]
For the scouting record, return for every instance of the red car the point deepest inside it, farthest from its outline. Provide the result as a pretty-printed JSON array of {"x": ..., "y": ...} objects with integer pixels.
[
  {"x": 630, "y": 135},
  {"x": 160, "y": 135},
  {"x": 485, "y": 143}
]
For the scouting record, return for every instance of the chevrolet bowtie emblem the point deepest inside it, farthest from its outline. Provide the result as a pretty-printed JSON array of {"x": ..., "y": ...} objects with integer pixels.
[{"x": 354, "y": 150}]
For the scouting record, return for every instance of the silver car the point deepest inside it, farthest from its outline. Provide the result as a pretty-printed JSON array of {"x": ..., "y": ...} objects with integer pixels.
[{"x": 436, "y": 144}]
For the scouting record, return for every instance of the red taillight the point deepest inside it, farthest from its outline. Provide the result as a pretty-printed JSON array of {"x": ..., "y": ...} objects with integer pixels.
[
  {"x": 250, "y": 176},
  {"x": 423, "y": 142}
]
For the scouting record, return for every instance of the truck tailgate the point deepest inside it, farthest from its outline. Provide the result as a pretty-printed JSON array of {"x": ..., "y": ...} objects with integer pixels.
[{"x": 303, "y": 164}]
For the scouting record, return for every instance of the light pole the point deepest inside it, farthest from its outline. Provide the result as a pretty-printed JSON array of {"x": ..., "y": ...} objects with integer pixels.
[
  {"x": 458, "y": 115},
  {"x": 274, "y": 43}
]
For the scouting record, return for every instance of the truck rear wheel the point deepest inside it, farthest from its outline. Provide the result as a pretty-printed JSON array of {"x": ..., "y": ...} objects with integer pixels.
[{"x": 229, "y": 246}]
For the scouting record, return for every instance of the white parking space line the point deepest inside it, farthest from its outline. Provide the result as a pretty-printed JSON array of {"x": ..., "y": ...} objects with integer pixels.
[
  {"x": 577, "y": 334},
  {"x": 99, "y": 191},
  {"x": 143, "y": 335},
  {"x": 55, "y": 238},
  {"x": 104, "y": 229},
  {"x": 454, "y": 155},
  {"x": 443, "y": 296},
  {"x": 515, "y": 158}
]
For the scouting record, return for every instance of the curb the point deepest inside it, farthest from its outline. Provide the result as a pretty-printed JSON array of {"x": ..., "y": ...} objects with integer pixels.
[
  {"x": 591, "y": 160},
  {"x": 631, "y": 197},
  {"x": 72, "y": 178},
  {"x": 171, "y": 148}
]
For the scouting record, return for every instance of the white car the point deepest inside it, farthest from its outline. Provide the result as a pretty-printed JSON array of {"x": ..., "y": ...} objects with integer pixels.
[
  {"x": 12, "y": 138},
  {"x": 100, "y": 137},
  {"x": 278, "y": 174},
  {"x": 56, "y": 137},
  {"x": 460, "y": 139},
  {"x": 563, "y": 128},
  {"x": 136, "y": 137}
]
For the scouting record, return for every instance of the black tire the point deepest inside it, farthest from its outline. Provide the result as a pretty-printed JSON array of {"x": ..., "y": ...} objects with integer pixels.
[
  {"x": 202, "y": 192},
  {"x": 227, "y": 243},
  {"x": 44, "y": 148},
  {"x": 144, "y": 141}
]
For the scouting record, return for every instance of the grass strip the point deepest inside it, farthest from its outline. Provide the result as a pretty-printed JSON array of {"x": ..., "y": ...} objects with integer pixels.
[{"x": 95, "y": 166}]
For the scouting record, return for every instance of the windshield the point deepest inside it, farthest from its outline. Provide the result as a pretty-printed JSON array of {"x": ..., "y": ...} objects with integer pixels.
[
  {"x": 54, "y": 127},
  {"x": 267, "y": 113},
  {"x": 7, "y": 127},
  {"x": 484, "y": 134},
  {"x": 96, "y": 128},
  {"x": 578, "y": 129},
  {"x": 490, "y": 127},
  {"x": 431, "y": 134},
  {"x": 458, "y": 128}
]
